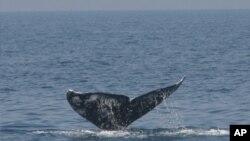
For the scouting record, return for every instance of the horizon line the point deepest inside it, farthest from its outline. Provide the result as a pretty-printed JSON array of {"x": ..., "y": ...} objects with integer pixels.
[{"x": 129, "y": 10}]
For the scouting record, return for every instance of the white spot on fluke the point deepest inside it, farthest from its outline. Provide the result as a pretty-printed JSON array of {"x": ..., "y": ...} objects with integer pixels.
[
  {"x": 182, "y": 79},
  {"x": 71, "y": 90},
  {"x": 77, "y": 100}
]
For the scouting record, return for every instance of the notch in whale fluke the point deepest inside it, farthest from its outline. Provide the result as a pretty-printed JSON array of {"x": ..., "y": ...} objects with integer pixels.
[{"x": 115, "y": 112}]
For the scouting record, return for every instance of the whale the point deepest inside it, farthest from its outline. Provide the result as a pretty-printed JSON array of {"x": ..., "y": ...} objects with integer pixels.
[{"x": 110, "y": 111}]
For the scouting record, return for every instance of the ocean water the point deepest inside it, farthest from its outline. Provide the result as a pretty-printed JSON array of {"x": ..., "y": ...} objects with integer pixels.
[{"x": 43, "y": 54}]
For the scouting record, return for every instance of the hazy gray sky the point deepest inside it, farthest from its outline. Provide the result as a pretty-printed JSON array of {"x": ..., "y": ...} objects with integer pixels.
[{"x": 57, "y": 5}]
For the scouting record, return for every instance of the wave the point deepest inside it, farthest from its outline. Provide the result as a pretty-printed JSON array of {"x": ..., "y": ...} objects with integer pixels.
[{"x": 136, "y": 133}]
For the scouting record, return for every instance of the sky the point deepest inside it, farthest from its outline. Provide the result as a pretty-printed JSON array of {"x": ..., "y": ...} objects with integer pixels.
[{"x": 83, "y": 5}]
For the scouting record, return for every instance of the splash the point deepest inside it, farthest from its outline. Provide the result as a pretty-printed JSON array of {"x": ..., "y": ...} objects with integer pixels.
[
  {"x": 136, "y": 133},
  {"x": 196, "y": 132}
]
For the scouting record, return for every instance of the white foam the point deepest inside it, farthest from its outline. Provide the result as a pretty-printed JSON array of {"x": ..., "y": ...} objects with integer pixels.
[
  {"x": 197, "y": 132},
  {"x": 138, "y": 133}
]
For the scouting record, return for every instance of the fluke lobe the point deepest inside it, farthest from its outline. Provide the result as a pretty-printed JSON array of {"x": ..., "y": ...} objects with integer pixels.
[{"x": 115, "y": 112}]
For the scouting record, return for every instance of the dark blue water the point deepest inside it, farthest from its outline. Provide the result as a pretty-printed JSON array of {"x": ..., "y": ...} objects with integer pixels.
[{"x": 44, "y": 54}]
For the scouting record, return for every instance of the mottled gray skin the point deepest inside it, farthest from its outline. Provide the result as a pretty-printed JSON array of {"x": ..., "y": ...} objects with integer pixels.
[{"x": 115, "y": 112}]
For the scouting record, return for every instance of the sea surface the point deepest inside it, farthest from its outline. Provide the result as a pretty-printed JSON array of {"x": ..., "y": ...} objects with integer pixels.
[{"x": 43, "y": 54}]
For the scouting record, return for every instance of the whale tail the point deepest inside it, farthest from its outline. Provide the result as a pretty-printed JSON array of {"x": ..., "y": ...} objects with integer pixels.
[{"x": 114, "y": 112}]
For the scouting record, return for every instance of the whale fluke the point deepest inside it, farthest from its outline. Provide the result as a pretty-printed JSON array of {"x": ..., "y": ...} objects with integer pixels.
[{"x": 115, "y": 112}]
